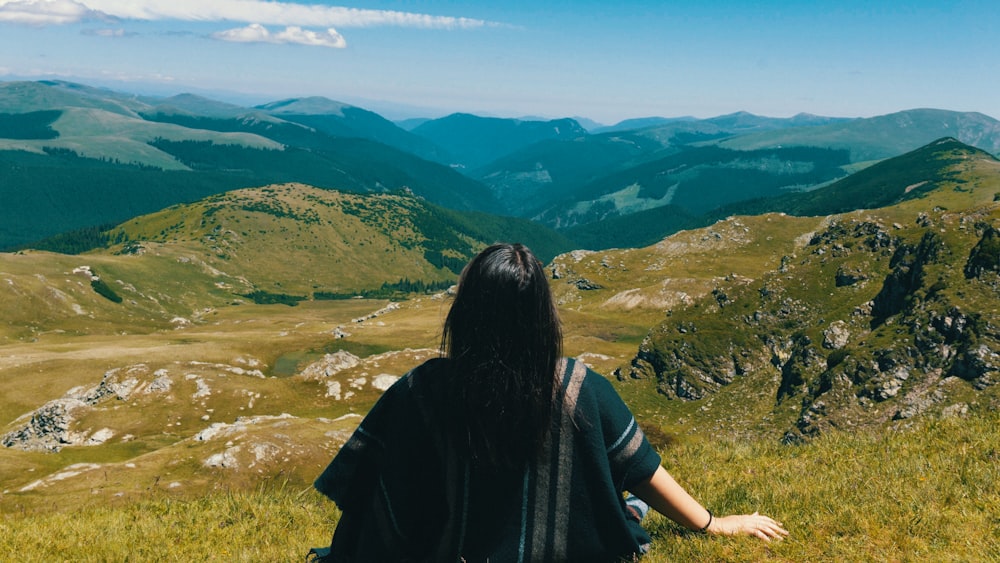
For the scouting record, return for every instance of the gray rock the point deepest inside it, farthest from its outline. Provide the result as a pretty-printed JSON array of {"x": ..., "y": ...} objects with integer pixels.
[
  {"x": 836, "y": 335},
  {"x": 849, "y": 276},
  {"x": 586, "y": 285},
  {"x": 330, "y": 365},
  {"x": 49, "y": 428}
]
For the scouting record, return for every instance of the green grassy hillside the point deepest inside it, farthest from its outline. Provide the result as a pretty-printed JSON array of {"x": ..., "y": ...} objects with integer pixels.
[
  {"x": 341, "y": 120},
  {"x": 315, "y": 240},
  {"x": 698, "y": 180},
  {"x": 891, "y": 181},
  {"x": 283, "y": 242},
  {"x": 25, "y": 97},
  {"x": 928, "y": 493}
]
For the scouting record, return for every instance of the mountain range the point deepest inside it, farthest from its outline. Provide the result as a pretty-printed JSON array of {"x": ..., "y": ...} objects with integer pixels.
[{"x": 72, "y": 157}]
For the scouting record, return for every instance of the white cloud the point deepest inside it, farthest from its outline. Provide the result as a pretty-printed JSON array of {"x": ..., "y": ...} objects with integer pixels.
[
  {"x": 43, "y": 12},
  {"x": 257, "y": 33},
  {"x": 106, "y": 32},
  {"x": 249, "y": 11}
]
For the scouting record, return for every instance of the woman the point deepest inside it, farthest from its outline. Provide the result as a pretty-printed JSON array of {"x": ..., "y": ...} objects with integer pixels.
[{"x": 485, "y": 455}]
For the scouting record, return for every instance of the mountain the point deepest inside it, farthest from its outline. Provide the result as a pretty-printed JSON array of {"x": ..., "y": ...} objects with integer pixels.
[
  {"x": 94, "y": 157},
  {"x": 76, "y": 155},
  {"x": 888, "y": 182},
  {"x": 193, "y": 105},
  {"x": 473, "y": 141},
  {"x": 698, "y": 180},
  {"x": 550, "y": 180},
  {"x": 288, "y": 241},
  {"x": 342, "y": 120},
  {"x": 530, "y": 179},
  {"x": 641, "y": 123},
  {"x": 688, "y": 164},
  {"x": 681, "y": 130},
  {"x": 24, "y": 97},
  {"x": 314, "y": 240},
  {"x": 884, "y": 136},
  {"x": 793, "y": 326},
  {"x": 412, "y": 123},
  {"x": 589, "y": 124}
]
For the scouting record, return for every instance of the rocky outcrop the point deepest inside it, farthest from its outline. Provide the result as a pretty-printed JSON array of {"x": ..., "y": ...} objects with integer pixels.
[
  {"x": 985, "y": 256},
  {"x": 50, "y": 427},
  {"x": 252, "y": 442},
  {"x": 849, "y": 276},
  {"x": 691, "y": 373},
  {"x": 329, "y": 365},
  {"x": 376, "y": 314},
  {"x": 836, "y": 336},
  {"x": 908, "y": 269},
  {"x": 841, "y": 356}
]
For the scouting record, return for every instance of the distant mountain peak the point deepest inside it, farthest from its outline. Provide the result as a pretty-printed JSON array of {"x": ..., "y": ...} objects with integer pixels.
[{"x": 312, "y": 105}]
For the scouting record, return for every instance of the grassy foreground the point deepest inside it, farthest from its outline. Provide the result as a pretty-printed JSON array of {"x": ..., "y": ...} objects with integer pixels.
[{"x": 928, "y": 493}]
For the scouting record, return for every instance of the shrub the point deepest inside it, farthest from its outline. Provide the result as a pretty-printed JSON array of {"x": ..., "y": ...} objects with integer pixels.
[{"x": 261, "y": 297}]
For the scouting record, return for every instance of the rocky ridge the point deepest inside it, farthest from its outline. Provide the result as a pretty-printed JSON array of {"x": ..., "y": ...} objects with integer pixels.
[{"x": 871, "y": 319}]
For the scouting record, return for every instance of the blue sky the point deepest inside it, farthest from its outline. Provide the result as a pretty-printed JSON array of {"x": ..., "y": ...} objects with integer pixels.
[{"x": 607, "y": 61}]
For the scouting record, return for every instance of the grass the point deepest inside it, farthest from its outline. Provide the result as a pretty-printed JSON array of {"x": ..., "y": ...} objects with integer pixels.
[
  {"x": 928, "y": 493},
  {"x": 270, "y": 523}
]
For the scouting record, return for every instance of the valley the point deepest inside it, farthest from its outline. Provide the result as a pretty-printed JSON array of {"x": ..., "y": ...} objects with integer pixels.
[{"x": 825, "y": 311}]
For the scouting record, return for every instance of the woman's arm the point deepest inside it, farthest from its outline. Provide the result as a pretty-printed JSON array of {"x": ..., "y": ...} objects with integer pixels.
[{"x": 668, "y": 498}]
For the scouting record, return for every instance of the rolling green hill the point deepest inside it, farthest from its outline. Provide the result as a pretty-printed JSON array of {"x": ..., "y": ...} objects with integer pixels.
[
  {"x": 323, "y": 241},
  {"x": 891, "y": 181},
  {"x": 314, "y": 242},
  {"x": 25, "y": 97}
]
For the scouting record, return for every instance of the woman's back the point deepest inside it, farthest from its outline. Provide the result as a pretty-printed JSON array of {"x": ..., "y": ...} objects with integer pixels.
[{"x": 409, "y": 494}]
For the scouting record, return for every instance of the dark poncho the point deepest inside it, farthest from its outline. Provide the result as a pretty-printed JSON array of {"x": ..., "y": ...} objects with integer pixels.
[{"x": 406, "y": 495}]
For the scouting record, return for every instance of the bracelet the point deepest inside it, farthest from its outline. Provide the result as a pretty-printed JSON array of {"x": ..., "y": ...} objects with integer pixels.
[{"x": 705, "y": 529}]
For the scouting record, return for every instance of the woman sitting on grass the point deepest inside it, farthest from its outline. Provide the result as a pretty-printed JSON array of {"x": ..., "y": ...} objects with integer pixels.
[{"x": 503, "y": 450}]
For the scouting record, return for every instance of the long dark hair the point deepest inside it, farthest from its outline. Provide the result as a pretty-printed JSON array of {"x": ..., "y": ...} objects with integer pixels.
[{"x": 503, "y": 339}]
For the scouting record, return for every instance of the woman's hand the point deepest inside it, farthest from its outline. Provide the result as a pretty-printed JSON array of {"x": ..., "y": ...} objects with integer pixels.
[
  {"x": 668, "y": 498},
  {"x": 755, "y": 524}
]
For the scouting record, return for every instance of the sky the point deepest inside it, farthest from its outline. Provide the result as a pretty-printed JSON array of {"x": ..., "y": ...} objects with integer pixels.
[{"x": 605, "y": 61}]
